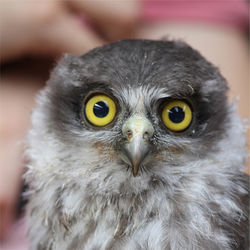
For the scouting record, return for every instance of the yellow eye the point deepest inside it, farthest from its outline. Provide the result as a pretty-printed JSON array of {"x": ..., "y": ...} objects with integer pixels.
[
  {"x": 100, "y": 110},
  {"x": 177, "y": 115}
]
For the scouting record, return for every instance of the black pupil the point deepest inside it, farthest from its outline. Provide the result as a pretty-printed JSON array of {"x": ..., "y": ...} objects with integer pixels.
[
  {"x": 176, "y": 114},
  {"x": 101, "y": 109}
]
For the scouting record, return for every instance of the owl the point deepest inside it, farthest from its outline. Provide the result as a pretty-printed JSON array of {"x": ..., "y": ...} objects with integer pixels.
[{"x": 134, "y": 145}]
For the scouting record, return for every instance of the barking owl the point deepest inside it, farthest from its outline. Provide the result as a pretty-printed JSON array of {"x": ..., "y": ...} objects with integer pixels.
[{"x": 135, "y": 146}]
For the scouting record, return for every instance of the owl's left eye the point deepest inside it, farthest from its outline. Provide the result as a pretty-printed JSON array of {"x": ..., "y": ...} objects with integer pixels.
[
  {"x": 100, "y": 110},
  {"x": 177, "y": 115}
]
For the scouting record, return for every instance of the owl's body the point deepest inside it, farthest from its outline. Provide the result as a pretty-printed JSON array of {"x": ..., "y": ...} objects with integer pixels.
[{"x": 188, "y": 192}]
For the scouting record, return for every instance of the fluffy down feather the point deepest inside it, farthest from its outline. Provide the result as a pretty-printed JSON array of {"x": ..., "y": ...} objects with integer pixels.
[{"x": 192, "y": 192}]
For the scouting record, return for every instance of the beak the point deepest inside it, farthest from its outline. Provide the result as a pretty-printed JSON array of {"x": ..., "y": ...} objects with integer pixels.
[{"x": 138, "y": 130}]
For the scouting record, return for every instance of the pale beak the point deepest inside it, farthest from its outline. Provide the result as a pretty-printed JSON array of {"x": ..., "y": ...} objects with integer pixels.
[{"x": 138, "y": 130}]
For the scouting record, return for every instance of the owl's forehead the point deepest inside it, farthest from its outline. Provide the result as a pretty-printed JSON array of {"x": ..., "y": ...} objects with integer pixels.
[{"x": 140, "y": 97}]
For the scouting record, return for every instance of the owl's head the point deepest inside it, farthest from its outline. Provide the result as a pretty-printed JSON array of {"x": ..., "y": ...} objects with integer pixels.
[{"x": 129, "y": 115}]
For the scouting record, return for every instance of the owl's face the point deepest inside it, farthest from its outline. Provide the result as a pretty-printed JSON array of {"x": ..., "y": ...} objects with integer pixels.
[{"x": 129, "y": 116}]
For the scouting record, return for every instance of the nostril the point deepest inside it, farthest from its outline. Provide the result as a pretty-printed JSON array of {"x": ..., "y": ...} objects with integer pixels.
[
  {"x": 145, "y": 135},
  {"x": 129, "y": 133}
]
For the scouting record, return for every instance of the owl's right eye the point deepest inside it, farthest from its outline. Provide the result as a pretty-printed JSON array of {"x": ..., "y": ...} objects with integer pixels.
[{"x": 100, "y": 110}]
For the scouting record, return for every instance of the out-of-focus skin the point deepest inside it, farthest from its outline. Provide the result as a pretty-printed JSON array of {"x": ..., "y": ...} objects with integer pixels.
[
  {"x": 16, "y": 100},
  {"x": 41, "y": 27},
  {"x": 54, "y": 21}
]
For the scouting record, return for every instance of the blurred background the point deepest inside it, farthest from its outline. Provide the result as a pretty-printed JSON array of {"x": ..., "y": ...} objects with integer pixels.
[{"x": 35, "y": 33}]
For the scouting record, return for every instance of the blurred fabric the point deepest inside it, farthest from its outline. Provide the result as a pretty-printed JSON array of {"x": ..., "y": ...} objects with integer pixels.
[{"x": 234, "y": 13}]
